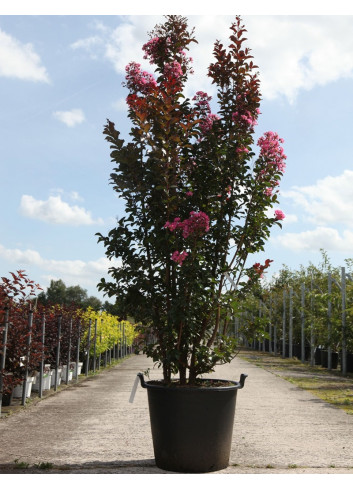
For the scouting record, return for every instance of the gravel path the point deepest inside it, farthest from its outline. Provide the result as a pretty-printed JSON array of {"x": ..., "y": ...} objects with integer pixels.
[{"x": 91, "y": 427}]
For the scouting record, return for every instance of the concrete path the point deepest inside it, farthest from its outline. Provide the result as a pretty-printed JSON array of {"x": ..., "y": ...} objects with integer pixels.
[{"x": 92, "y": 428}]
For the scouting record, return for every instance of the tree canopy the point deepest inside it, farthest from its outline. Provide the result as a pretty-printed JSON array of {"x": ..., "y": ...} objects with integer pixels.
[{"x": 59, "y": 293}]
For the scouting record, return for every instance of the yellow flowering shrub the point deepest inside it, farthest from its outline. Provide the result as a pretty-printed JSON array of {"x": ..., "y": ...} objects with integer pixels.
[{"x": 109, "y": 330}]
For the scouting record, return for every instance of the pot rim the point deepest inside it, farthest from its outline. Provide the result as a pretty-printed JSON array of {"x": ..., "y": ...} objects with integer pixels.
[{"x": 236, "y": 385}]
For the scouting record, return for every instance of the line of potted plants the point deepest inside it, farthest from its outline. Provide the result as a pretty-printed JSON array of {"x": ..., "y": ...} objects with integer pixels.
[{"x": 37, "y": 342}]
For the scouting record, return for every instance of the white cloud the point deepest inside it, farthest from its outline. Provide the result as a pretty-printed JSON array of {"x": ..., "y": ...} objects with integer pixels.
[
  {"x": 125, "y": 41},
  {"x": 326, "y": 205},
  {"x": 87, "y": 43},
  {"x": 289, "y": 219},
  {"x": 55, "y": 211},
  {"x": 21, "y": 257},
  {"x": 329, "y": 201},
  {"x": 293, "y": 52},
  {"x": 325, "y": 238},
  {"x": 120, "y": 105},
  {"x": 19, "y": 60},
  {"x": 76, "y": 196},
  {"x": 70, "y": 271},
  {"x": 72, "y": 195},
  {"x": 300, "y": 52},
  {"x": 70, "y": 117}
]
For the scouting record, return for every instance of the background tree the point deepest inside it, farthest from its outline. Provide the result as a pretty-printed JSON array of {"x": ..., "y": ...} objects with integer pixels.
[{"x": 59, "y": 293}]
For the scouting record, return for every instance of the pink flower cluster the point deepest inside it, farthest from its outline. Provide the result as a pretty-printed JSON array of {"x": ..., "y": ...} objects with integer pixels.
[
  {"x": 271, "y": 150},
  {"x": 207, "y": 123},
  {"x": 279, "y": 215},
  {"x": 179, "y": 257},
  {"x": 172, "y": 226},
  {"x": 247, "y": 118},
  {"x": 158, "y": 48},
  {"x": 202, "y": 102},
  {"x": 197, "y": 224},
  {"x": 138, "y": 80},
  {"x": 242, "y": 149},
  {"x": 204, "y": 111},
  {"x": 150, "y": 49},
  {"x": 173, "y": 70}
]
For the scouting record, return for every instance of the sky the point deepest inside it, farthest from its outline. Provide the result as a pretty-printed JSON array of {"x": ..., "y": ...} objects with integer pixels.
[{"x": 61, "y": 78}]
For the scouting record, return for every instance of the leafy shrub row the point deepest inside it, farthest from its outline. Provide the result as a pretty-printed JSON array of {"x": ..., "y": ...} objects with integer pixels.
[{"x": 30, "y": 331}]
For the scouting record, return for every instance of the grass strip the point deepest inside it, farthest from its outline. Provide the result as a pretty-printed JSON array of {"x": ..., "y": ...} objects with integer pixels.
[{"x": 330, "y": 386}]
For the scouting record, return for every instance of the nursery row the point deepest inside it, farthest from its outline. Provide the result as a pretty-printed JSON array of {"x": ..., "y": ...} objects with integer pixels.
[
  {"x": 309, "y": 316},
  {"x": 44, "y": 350},
  {"x": 42, "y": 345}
]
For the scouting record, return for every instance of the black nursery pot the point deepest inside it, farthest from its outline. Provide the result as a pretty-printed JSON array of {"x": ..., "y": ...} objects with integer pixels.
[
  {"x": 7, "y": 398},
  {"x": 297, "y": 351},
  {"x": 324, "y": 359},
  {"x": 192, "y": 426},
  {"x": 349, "y": 363},
  {"x": 317, "y": 355}
]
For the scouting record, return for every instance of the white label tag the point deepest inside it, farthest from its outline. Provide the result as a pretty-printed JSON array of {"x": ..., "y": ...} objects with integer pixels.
[{"x": 134, "y": 389}]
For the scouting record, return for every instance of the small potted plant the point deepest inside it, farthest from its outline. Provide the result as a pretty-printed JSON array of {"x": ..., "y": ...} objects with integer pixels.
[
  {"x": 199, "y": 203},
  {"x": 76, "y": 367},
  {"x": 24, "y": 374},
  {"x": 46, "y": 380},
  {"x": 57, "y": 375},
  {"x": 64, "y": 375}
]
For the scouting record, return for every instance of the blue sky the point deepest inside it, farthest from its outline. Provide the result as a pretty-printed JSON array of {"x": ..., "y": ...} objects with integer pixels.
[{"x": 61, "y": 78}]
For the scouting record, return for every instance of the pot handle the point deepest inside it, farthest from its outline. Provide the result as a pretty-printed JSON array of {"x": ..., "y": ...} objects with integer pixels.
[
  {"x": 142, "y": 380},
  {"x": 242, "y": 380}
]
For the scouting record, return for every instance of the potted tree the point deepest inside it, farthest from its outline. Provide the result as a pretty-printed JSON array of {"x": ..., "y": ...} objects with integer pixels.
[
  {"x": 22, "y": 348},
  {"x": 198, "y": 204}
]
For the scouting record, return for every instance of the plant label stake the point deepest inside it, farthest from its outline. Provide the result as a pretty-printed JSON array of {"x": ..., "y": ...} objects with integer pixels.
[
  {"x": 3, "y": 353},
  {"x": 78, "y": 350},
  {"x": 57, "y": 361},
  {"x": 29, "y": 339},
  {"x": 88, "y": 346},
  {"x": 69, "y": 354},
  {"x": 133, "y": 391},
  {"x": 41, "y": 373}
]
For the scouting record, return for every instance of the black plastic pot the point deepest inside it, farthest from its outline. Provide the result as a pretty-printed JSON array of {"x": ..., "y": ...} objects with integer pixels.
[
  {"x": 297, "y": 351},
  {"x": 7, "y": 398},
  {"x": 349, "y": 362},
  {"x": 318, "y": 355},
  {"x": 192, "y": 426},
  {"x": 324, "y": 359},
  {"x": 307, "y": 350}
]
